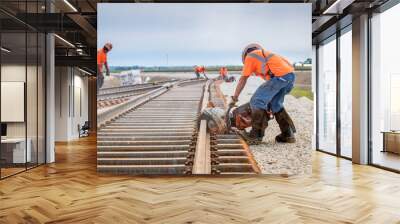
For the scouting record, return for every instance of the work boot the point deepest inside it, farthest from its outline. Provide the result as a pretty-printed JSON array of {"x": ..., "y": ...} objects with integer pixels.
[
  {"x": 252, "y": 137},
  {"x": 287, "y": 127},
  {"x": 258, "y": 125}
]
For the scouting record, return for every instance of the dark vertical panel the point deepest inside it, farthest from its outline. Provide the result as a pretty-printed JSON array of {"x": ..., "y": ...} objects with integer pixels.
[
  {"x": 59, "y": 81},
  {"x": 1, "y": 163},
  {"x": 317, "y": 96},
  {"x": 73, "y": 91},
  {"x": 69, "y": 100},
  {"x": 45, "y": 96},
  {"x": 37, "y": 97},
  {"x": 69, "y": 91},
  {"x": 338, "y": 94},
  {"x": 37, "y": 91},
  {"x": 45, "y": 87},
  {"x": 41, "y": 99},
  {"x": 92, "y": 103},
  {"x": 26, "y": 87},
  {"x": 369, "y": 106}
]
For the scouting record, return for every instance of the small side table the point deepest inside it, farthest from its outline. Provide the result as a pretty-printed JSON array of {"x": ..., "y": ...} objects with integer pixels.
[{"x": 391, "y": 141}]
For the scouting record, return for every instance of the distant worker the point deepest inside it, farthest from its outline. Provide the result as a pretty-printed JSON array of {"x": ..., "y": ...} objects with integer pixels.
[
  {"x": 102, "y": 61},
  {"x": 270, "y": 95},
  {"x": 198, "y": 70},
  {"x": 203, "y": 70},
  {"x": 223, "y": 72}
]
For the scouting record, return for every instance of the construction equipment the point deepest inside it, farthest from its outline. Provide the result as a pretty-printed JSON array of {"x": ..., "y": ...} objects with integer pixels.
[{"x": 233, "y": 119}]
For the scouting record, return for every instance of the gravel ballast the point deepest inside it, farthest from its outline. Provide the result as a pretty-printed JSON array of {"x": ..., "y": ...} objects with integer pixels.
[{"x": 278, "y": 158}]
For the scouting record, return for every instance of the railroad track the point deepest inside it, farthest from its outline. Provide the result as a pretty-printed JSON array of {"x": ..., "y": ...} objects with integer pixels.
[
  {"x": 112, "y": 93},
  {"x": 162, "y": 134},
  {"x": 128, "y": 92},
  {"x": 116, "y": 95},
  {"x": 117, "y": 89},
  {"x": 231, "y": 154}
]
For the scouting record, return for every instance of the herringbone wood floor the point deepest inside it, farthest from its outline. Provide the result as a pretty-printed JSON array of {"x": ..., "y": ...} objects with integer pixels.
[{"x": 70, "y": 191}]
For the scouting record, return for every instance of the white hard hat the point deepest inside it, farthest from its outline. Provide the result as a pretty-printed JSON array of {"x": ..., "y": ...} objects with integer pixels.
[
  {"x": 249, "y": 48},
  {"x": 108, "y": 46}
]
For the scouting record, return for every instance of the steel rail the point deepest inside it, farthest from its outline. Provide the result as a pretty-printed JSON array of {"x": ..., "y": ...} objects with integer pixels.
[
  {"x": 125, "y": 93},
  {"x": 230, "y": 154},
  {"x": 113, "y": 93},
  {"x": 202, "y": 157},
  {"x": 110, "y": 113},
  {"x": 117, "y": 89}
]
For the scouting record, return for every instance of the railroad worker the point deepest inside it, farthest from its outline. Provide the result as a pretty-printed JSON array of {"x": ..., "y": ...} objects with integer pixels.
[
  {"x": 197, "y": 70},
  {"x": 223, "y": 72},
  {"x": 203, "y": 70},
  {"x": 101, "y": 62},
  {"x": 200, "y": 69},
  {"x": 279, "y": 76}
]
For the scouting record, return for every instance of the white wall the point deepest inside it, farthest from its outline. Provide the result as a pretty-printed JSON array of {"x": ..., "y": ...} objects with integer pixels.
[
  {"x": 15, "y": 72},
  {"x": 33, "y": 126},
  {"x": 80, "y": 109},
  {"x": 61, "y": 103},
  {"x": 71, "y": 103}
]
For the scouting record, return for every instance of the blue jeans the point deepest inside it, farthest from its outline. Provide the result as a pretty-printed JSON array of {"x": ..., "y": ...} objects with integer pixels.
[
  {"x": 100, "y": 80},
  {"x": 271, "y": 94}
]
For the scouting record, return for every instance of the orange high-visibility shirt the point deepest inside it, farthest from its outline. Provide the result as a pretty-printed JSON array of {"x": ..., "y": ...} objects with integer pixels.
[
  {"x": 223, "y": 71},
  {"x": 101, "y": 58},
  {"x": 278, "y": 65},
  {"x": 199, "y": 69}
]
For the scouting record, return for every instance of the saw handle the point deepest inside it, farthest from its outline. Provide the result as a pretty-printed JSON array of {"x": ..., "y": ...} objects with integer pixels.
[
  {"x": 227, "y": 118},
  {"x": 233, "y": 102}
]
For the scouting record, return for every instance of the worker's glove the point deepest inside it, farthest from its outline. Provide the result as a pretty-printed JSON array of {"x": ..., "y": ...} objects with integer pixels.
[
  {"x": 107, "y": 73},
  {"x": 234, "y": 100}
]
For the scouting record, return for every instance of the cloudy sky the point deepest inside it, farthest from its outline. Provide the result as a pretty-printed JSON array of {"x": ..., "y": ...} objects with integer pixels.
[{"x": 207, "y": 34}]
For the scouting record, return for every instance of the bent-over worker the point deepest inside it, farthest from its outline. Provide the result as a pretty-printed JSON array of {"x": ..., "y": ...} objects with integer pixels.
[
  {"x": 102, "y": 61},
  {"x": 223, "y": 72},
  {"x": 200, "y": 69},
  {"x": 279, "y": 76}
]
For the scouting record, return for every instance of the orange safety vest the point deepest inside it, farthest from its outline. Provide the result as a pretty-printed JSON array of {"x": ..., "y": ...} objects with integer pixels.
[
  {"x": 101, "y": 58},
  {"x": 223, "y": 71},
  {"x": 266, "y": 64}
]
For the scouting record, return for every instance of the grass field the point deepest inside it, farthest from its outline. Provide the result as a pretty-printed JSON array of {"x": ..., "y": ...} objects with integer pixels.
[{"x": 299, "y": 92}]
